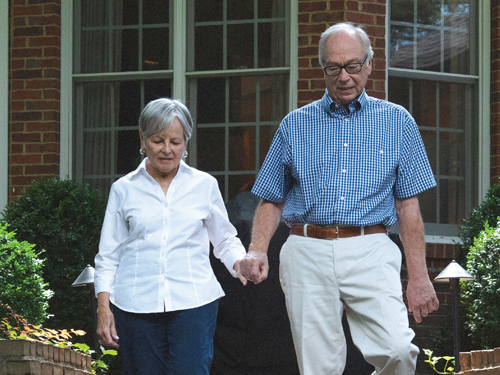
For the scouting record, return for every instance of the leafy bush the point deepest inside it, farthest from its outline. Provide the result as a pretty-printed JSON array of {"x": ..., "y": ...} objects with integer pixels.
[
  {"x": 487, "y": 211},
  {"x": 481, "y": 296},
  {"x": 22, "y": 285},
  {"x": 63, "y": 218}
]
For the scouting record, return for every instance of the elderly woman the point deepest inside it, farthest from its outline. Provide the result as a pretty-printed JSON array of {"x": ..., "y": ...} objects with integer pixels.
[{"x": 153, "y": 261}]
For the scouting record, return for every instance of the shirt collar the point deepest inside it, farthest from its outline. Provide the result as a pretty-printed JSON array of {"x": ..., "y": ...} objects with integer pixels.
[
  {"x": 183, "y": 167},
  {"x": 332, "y": 106}
]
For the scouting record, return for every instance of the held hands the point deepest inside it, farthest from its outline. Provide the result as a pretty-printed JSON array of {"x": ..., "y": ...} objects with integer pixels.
[
  {"x": 254, "y": 266},
  {"x": 422, "y": 298}
]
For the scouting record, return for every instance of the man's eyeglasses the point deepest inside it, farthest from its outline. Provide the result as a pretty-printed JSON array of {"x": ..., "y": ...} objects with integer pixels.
[{"x": 352, "y": 68}]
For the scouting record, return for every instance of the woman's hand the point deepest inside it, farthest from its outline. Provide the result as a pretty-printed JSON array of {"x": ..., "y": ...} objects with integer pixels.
[
  {"x": 106, "y": 329},
  {"x": 236, "y": 267}
]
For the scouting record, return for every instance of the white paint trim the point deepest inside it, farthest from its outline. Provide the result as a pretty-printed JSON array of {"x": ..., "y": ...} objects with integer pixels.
[
  {"x": 484, "y": 97},
  {"x": 443, "y": 240},
  {"x": 294, "y": 55},
  {"x": 179, "y": 90},
  {"x": 66, "y": 90},
  {"x": 4, "y": 103}
]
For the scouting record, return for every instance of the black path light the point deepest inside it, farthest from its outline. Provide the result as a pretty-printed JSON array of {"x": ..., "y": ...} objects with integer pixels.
[
  {"x": 86, "y": 278},
  {"x": 453, "y": 274}
]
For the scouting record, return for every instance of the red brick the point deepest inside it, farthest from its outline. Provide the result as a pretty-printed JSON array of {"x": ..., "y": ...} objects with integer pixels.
[
  {"x": 43, "y": 63},
  {"x": 311, "y": 6},
  {"x": 17, "y": 106},
  {"x": 51, "y": 94},
  {"x": 26, "y": 10},
  {"x": 26, "y": 116},
  {"x": 337, "y": 5},
  {"x": 53, "y": 30},
  {"x": 41, "y": 126},
  {"x": 310, "y": 73},
  {"x": 52, "y": 52},
  {"x": 41, "y": 148},
  {"x": 19, "y": 42},
  {"x": 331, "y": 17},
  {"x": 311, "y": 29},
  {"x": 373, "y": 8},
  {"x": 26, "y": 52},
  {"x": 27, "y": 74},
  {"x": 303, "y": 17},
  {"x": 52, "y": 9},
  {"x": 50, "y": 137},
  {"x": 51, "y": 116},
  {"x": 26, "y": 137},
  {"x": 42, "y": 84},
  {"x": 51, "y": 158},
  {"x": 17, "y": 64},
  {"x": 26, "y": 94},
  {"x": 44, "y": 20},
  {"x": 17, "y": 84},
  {"x": 45, "y": 41},
  {"x": 308, "y": 51},
  {"x": 16, "y": 149},
  {"x": 42, "y": 104},
  {"x": 302, "y": 85},
  {"x": 25, "y": 159},
  {"x": 16, "y": 170},
  {"x": 40, "y": 169},
  {"x": 52, "y": 73}
]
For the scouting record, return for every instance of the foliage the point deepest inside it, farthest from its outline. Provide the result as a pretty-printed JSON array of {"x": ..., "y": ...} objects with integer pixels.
[
  {"x": 22, "y": 285},
  {"x": 432, "y": 361},
  {"x": 14, "y": 326},
  {"x": 481, "y": 296},
  {"x": 63, "y": 218},
  {"x": 487, "y": 212}
]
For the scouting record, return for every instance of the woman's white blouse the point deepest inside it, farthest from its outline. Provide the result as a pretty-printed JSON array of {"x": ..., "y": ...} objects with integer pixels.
[{"x": 154, "y": 249}]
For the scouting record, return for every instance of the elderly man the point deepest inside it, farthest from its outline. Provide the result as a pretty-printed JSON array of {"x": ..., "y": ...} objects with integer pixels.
[{"x": 342, "y": 171}]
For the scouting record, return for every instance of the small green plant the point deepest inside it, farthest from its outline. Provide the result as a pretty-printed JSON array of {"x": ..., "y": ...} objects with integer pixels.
[
  {"x": 449, "y": 365},
  {"x": 22, "y": 285},
  {"x": 481, "y": 296},
  {"x": 14, "y": 326}
]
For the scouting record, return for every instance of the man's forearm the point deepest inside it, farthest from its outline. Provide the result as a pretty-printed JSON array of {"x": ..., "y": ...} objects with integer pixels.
[{"x": 265, "y": 222}]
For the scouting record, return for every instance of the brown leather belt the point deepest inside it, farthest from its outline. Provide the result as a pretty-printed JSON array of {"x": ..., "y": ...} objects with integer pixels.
[{"x": 332, "y": 232}]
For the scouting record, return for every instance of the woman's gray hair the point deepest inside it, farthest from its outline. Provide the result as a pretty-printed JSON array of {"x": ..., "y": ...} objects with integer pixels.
[
  {"x": 158, "y": 115},
  {"x": 349, "y": 28}
]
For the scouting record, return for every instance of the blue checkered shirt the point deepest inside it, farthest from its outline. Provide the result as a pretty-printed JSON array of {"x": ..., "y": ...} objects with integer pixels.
[{"x": 331, "y": 167}]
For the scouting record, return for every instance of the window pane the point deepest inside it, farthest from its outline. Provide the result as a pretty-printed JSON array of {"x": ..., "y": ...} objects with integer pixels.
[
  {"x": 97, "y": 106},
  {"x": 208, "y": 48},
  {"x": 273, "y": 102},
  {"x": 242, "y": 96},
  {"x": 211, "y": 101},
  {"x": 155, "y": 11},
  {"x": 95, "y": 47},
  {"x": 128, "y": 10},
  {"x": 130, "y": 103},
  {"x": 452, "y": 202},
  {"x": 242, "y": 148},
  {"x": 402, "y": 10},
  {"x": 94, "y": 13},
  {"x": 157, "y": 89},
  {"x": 429, "y": 12},
  {"x": 452, "y": 111},
  {"x": 210, "y": 149},
  {"x": 155, "y": 49},
  {"x": 271, "y": 8},
  {"x": 428, "y": 205},
  {"x": 127, "y": 49},
  {"x": 402, "y": 47},
  {"x": 430, "y": 143},
  {"x": 399, "y": 91},
  {"x": 240, "y": 46},
  {"x": 97, "y": 153},
  {"x": 457, "y": 58},
  {"x": 429, "y": 49},
  {"x": 208, "y": 10},
  {"x": 101, "y": 184},
  {"x": 267, "y": 133},
  {"x": 424, "y": 102},
  {"x": 271, "y": 44},
  {"x": 128, "y": 156},
  {"x": 240, "y": 9},
  {"x": 240, "y": 183}
]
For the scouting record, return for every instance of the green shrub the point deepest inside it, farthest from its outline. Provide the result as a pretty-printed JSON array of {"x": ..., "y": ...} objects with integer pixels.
[
  {"x": 21, "y": 283},
  {"x": 487, "y": 211},
  {"x": 481, "y": 296},
  {"x": 63, "y": 218}
]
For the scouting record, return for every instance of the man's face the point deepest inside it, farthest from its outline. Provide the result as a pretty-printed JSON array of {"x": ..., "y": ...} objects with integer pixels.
[{"x": 342, "y": 49}]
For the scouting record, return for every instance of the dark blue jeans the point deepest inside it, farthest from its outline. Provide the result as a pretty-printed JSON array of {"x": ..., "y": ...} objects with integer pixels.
[{"x": 173, "y": 343}]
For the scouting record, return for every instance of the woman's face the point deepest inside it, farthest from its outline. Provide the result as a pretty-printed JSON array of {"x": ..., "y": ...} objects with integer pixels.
[{"x": 164, "y": 150}]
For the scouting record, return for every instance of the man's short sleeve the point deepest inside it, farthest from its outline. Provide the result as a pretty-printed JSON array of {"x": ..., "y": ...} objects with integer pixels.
[{"x": 414, "y": 173}]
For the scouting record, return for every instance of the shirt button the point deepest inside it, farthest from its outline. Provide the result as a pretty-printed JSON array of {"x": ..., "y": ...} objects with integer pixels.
[
  {"x": 344, "y": 171},
  {"x": 161, "y": 272},
  {"x": 345, "y": 144},
  {"x": 346, "y": 119},
  {"x": 381, "y": 151},
  {"x": 341, "y": 198}
]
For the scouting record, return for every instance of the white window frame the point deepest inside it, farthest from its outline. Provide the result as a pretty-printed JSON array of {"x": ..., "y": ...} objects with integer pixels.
[
  {"x": 483, "y": 82},
  {"x": 179, "y": 86},
  {"x": 4, "y": 104}
]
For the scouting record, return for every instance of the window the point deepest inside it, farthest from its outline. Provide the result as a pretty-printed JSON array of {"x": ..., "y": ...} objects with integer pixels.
[
  {"x": 433, "y": 72},
  {"x": 236, "y": 79}
]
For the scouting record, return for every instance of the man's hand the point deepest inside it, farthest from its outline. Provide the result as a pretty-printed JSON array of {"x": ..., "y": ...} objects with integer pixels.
[
  {"x": 254, "y": 266},
  {"x": 422, "y": 299}
]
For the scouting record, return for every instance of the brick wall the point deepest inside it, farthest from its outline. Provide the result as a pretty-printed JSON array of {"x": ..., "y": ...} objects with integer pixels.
[
  {"x": 480, "y": 362},
  {"x": 315, "y": 16},
  {"x": 495, "y": 91},
  {"x": 23, "y": 357},
  {"x": 34, "y": 80}
]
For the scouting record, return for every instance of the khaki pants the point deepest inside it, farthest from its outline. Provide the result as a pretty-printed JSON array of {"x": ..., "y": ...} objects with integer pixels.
[{"x": 361, "y": 274}]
